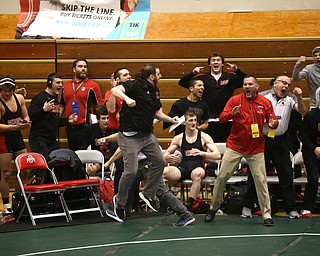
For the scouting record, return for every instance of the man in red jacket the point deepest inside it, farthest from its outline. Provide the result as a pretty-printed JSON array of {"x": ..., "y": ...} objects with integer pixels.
[
  {"x": 248, "y": 111},
  {"x": 80, "y": 96}
]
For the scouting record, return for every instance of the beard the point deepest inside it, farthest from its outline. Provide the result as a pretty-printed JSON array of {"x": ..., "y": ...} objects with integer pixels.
[
  {"x": 155, "y": 82},
  {"x": 81, "y": 75}
]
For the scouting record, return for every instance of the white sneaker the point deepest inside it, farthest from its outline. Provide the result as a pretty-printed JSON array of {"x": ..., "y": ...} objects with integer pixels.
[
  {"x": 246, "y": 213},
  {"x": 306, "y": 213},
  {"x": 7, "y": 210},
  {"x": 293, "y": 215}
]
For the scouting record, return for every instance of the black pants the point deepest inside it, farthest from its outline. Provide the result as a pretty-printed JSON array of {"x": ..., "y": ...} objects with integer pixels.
[
  {"x": 77, "y": 137},
  {"x": 312, "y": 164},
  {"x": 277, "y": 155}
]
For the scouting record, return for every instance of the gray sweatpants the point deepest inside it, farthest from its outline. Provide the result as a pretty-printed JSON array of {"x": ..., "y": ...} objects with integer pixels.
[{"x": 130, "y": 147}]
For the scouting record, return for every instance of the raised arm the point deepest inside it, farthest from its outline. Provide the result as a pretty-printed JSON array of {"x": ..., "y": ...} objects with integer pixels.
[
  {"x": 299, "y": 106},
  {"x": 184, "y": 81},
  {"x": 297, "y": 75},
  {"x": 120, "y": 92}
]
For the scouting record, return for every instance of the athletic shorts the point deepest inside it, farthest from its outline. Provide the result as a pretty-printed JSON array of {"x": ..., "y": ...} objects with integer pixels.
[
  {"x": 187, "y": 168},
  {"x": 12, "y": 143}
]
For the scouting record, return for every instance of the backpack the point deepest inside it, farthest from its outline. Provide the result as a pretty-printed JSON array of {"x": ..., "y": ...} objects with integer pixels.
[
  {"x": 233, "y": 202},
  {"x": 106, "y": 193}
]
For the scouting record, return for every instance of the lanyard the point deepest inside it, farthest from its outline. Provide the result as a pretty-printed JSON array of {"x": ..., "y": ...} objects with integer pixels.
[{"x": 75, "y": 90}]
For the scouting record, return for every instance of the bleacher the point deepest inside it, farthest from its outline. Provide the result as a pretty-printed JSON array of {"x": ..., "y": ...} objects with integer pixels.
[
  {"x": 266, "y": 54},
  {"x": 31, "y": 61}
]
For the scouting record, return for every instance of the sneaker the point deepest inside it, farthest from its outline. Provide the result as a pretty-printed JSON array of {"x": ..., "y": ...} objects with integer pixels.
[
  {"x": 246, "y": 213},
  {"x": 306, "y": 214},
  {"x": 116, "y": 214},
  {"x": 293, "y": 215},
  {"x": 7, "y": 218},
  {"x": 184, "y": 221},
  {"x": 151, "y": 203},
  {"x": 7, "y": 210},
  {"x": 268, "y": 222},
  {"x": 210, "y": 215}
]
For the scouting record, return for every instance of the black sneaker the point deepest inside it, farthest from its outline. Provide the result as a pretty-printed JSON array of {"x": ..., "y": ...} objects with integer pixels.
[
  {"x": 210, "y": 215},
  {"x": 268, "y": 222},
  {"x": 116, "y": 214},
  {"x": 151, "y": 203},
  {"x": 184, "y": 221}
]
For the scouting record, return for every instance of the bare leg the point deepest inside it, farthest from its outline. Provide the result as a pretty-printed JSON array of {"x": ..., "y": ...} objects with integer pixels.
[{"x": 196, "y": 175}]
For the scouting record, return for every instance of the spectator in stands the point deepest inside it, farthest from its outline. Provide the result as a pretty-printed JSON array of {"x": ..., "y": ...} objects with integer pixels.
[
  {"x": 192, "y": 102},
  {"x": 218, "y": 88},
  {"x": 195, "y": 147},
  {"x": 97, "y": 131},
  {"x": 141, "y": 103},
  {"x": 311, "y": 73},
  {"x": 80, "y": 96},
  {"x": 44, "y": 112},
  {"x": 309, "y": 136},
  {"x": 248, "y": 111},
  {"x": 14, "y": 118},
  {"x": 277, "y": 150},
  {"x": 112, "y": 103}
]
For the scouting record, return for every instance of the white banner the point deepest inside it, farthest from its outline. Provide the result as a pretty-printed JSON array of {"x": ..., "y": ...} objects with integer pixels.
[{"x": 75, "y": 18}]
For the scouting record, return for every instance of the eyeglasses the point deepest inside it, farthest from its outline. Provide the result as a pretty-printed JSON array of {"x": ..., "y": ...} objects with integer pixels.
[{"x": 283, "y": 82}]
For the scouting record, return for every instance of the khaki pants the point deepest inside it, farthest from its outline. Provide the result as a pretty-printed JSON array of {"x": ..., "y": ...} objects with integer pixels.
[{"x": 230, "y": 162}]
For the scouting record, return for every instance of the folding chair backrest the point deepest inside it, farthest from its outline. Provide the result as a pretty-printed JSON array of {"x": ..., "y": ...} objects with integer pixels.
[
  {"x": 31, "y": 161},
  {"x": 221, "y": 147},
  {"x": 91, "y": 156},
  {"x": 298, "y": 158},
  {"x": 27, "y": 161}
]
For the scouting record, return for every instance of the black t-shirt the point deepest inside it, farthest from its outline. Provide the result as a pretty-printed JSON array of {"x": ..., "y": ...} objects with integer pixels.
[
  {"x": 140, "y": 117},
  {"x": 181, "y": 106}
]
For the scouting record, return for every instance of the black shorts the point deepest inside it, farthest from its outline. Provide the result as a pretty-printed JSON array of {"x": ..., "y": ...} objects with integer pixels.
[
  {"x": 187, "y": 168},
  {"x": 10, "y": 144}
]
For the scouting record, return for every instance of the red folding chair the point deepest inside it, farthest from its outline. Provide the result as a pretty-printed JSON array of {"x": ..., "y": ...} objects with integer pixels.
[{"x": 29, "y": 161}]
